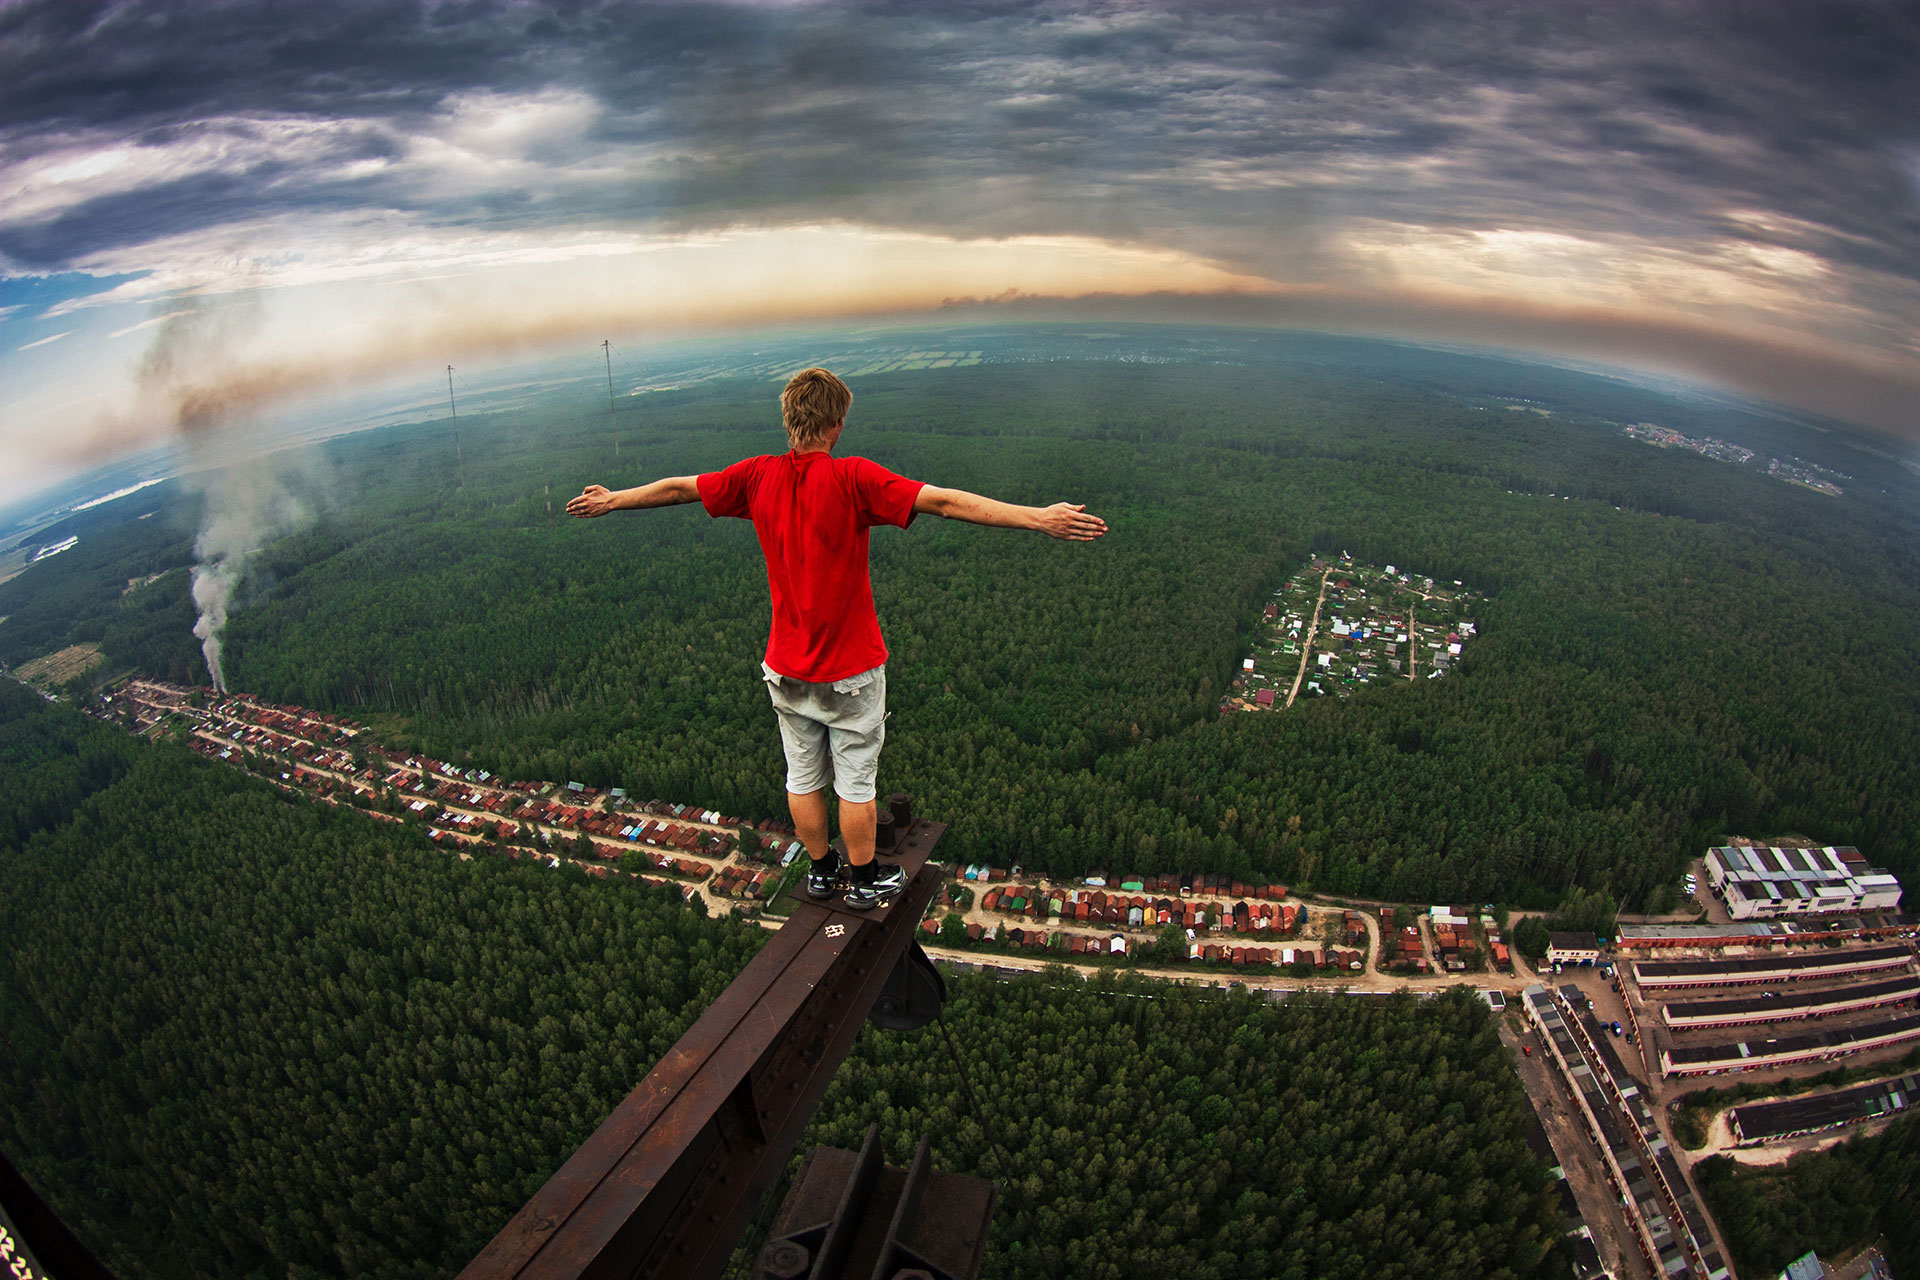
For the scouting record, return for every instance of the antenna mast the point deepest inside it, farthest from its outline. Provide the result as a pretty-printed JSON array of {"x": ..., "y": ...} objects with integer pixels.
[
  {"x": 606, "y": 346},
  {"x": 460, "y": 458}
]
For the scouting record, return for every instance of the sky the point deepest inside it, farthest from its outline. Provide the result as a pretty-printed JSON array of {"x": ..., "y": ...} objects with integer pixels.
[{"x": 212, "y": 210}]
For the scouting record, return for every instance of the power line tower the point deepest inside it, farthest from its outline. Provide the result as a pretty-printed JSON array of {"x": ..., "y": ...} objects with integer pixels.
[
  {"x": 459, "y": 457},
  {"x": 606, "y": 346}
]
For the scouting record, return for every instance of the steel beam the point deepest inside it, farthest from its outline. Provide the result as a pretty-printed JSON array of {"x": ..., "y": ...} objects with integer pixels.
[{"x": 667, "y": 1183}]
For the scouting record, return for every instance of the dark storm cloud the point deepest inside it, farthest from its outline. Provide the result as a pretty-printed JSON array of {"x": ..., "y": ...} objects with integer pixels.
[{"x": 996, "y": 120}]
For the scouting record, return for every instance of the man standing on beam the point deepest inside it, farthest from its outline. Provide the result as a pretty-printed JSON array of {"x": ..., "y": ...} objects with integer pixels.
[{"x": 825, "y": 665}]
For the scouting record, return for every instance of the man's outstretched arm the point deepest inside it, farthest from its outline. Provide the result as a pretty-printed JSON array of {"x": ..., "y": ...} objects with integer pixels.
[
  {"x": 597, "y": 500},
  {"x": 1066, "y": 520}
]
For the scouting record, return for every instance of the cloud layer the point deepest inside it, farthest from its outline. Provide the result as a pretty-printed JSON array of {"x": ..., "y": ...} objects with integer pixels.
[{"x": 1747, "y": 174}]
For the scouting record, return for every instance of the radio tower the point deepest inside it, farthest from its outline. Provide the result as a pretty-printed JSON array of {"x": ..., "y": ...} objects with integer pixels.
[
  {"x": 459, "y": 458},
  {"x": 606, "y": 346}
]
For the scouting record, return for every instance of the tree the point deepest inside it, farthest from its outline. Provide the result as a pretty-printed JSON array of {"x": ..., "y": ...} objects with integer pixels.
[{"x": 1531, "y": 936}]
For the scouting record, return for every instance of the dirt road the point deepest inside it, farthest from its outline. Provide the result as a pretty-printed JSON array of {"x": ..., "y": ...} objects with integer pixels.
[{"x": 1313, "y": 629}]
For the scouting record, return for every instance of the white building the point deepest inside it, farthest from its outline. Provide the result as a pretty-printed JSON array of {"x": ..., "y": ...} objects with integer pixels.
[
  {"x": 1765, "y": 883},
  {"x": 1573, "y": 948}
]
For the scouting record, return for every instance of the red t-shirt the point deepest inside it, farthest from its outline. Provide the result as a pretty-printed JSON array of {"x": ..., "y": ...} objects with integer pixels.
[{"x": 812, "y": 512}]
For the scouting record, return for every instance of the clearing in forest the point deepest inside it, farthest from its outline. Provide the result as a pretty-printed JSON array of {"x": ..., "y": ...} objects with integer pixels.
[
  {"x": 1335, "y": 627},
  {"x": 55, "y": 669}
]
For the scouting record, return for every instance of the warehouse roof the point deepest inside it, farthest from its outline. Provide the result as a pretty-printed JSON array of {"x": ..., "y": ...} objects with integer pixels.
[
  {"x": 1803, "y": 1000},
  {"x": 1768, "y": 964},
  {"x": 1812, "y": 1041},
  {"x": 1798, "y": 1115}
]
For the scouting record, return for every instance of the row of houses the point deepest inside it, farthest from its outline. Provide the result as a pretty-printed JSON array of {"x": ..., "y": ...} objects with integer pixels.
[
  {"x": 1078, "y": 944},
  {"x": 663, "y": 859},
  {"x": 775, "y": 847},
  {"x": 1206, "y": 884},
  {"x": 324, "y": 784},
  {"x": 316, "y": 727},
  {"x": 449, "y": 792},
  {"x": 466, "y": 824},
  {"x": 1097, "y": 906},
  {"x": 1453, "y": 937},
  {"x": 740, "y": 882},
  {"x": 1310, "y": 954},
  {"x": 428, "y": 787}
]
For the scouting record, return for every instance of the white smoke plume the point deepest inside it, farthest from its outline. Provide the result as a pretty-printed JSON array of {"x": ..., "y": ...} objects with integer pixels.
[
  {"x": 247, "y": 506},
  {"x": 213, "y": 586},
  {"x": 249, "y": 500}
]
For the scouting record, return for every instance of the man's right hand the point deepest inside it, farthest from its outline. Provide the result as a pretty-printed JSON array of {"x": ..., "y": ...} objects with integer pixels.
[{"x": 594, "y": 500}]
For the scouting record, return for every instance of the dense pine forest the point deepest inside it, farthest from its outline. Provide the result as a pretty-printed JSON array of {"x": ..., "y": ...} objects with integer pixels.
[
  {"x": 1837, "y": 1201},
  {"x": 247, "y": 1035},
  {"x": 1675, "y": 648}
]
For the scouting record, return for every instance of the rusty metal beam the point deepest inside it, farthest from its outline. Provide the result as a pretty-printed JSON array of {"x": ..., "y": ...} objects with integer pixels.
[
  {"x": 854, "y": 1217},
  {"x": 34, "y": 1242},
  {"x": 668, "y": 1182}
]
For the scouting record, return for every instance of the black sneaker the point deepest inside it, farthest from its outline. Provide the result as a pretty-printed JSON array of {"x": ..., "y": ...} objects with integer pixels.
[
  {"x": 824, "y": 877},
  {"x": 876, "y": 883}
]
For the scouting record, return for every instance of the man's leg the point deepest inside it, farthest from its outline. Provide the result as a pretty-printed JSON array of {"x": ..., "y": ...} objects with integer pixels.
[
  {"x": 857, "y": 821},
  {"x": 855, "y": 735},
  {"x": 810, "y": 822},
  {"x": 809, "y": 769}
]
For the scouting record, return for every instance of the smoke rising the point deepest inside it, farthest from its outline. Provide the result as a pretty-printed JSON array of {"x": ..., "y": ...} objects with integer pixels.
[
  {"x": 248, "y": 505},
  {"x": 213, "y": 586},
  {"x": 248, "y": 498}
]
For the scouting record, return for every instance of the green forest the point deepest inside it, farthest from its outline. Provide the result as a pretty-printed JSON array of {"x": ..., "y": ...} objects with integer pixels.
[
  {"x": 1674, "y": 650},
  {"x": 1837, "y": 1201},
  {"x": 248, "y": 1035}
]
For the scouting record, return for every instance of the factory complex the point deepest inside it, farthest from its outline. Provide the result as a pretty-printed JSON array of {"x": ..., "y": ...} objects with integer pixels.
[{"x": 1765, "y": 882}]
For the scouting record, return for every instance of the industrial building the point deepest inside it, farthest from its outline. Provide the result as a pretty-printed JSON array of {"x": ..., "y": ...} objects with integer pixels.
[
  {"x": 1683, "y": 1015},
  {"x": 1669, "y": 1225},
  {"x": 1573, "y": 948},
  {"x": 1770, "y": 1121},
  {"x": 1759, "y": 882},
  {"x": 1653, "y": 937},
  {"x": 1820, "y": 963},
  {"x": 1780, "y": 1051}
]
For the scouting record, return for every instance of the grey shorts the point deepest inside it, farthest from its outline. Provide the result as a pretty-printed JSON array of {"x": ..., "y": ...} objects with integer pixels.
[{"x": 832, "y": 732}]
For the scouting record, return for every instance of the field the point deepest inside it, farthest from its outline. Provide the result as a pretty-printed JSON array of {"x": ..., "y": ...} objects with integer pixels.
[{"x": 55, "y": 669}]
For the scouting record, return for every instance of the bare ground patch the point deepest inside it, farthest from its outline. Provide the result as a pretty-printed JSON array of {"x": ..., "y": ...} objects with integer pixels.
[{"x": 55, "y": 669}]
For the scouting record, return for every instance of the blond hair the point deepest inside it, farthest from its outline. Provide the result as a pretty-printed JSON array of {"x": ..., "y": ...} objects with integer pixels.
[{"x": 813, "y": 403}]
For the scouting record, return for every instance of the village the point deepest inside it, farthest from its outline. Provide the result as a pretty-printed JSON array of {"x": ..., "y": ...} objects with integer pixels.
[
  {"x": 1220, "y": 924},
  {"x": 1808, "y": 475},
  {"x": 1611, "y": 1036},
  {"x": 1335, "y": 627}
]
